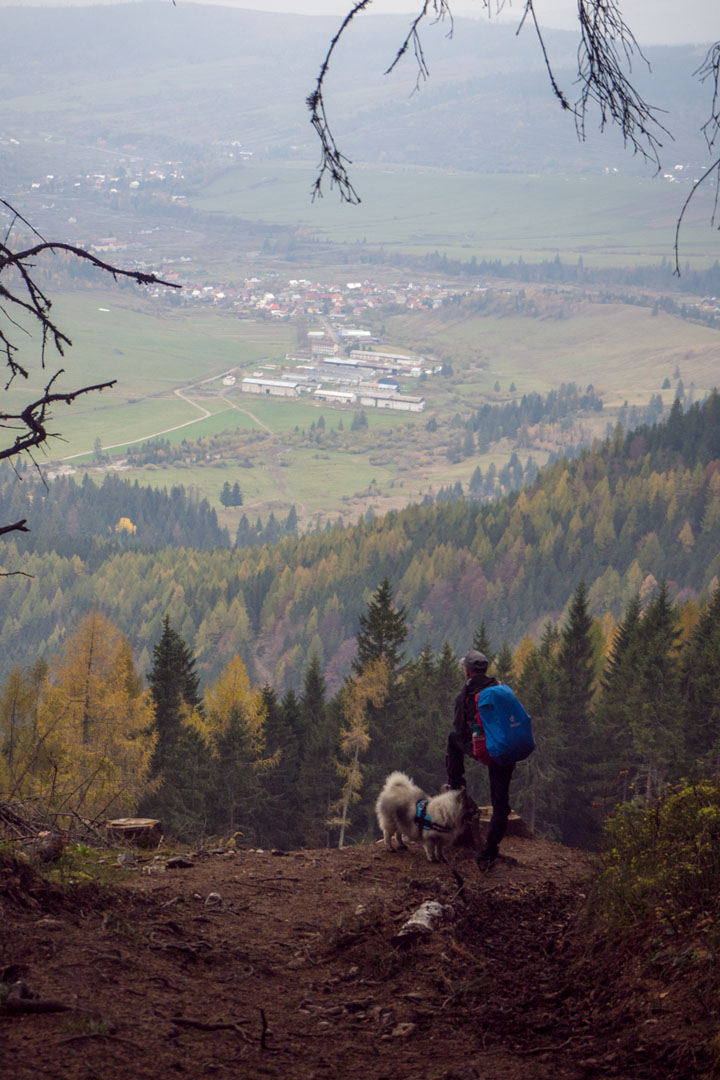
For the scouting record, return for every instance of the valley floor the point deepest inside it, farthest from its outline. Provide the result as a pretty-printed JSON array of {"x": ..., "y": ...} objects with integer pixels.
[{"x": 253, "y": 964}]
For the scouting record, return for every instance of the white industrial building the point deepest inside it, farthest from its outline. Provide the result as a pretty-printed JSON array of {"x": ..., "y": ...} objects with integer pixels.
[
  {"x": 390, "y": 400},
  {"x": 276, "y": 387},
  {"x": 337, "y": 397}
]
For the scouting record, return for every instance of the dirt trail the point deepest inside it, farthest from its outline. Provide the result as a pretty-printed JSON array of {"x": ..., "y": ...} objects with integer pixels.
[{"x": 253, "y": 964}]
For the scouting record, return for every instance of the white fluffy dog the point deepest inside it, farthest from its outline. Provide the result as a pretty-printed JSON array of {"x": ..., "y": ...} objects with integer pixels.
[{"x": 397, "y": 814}]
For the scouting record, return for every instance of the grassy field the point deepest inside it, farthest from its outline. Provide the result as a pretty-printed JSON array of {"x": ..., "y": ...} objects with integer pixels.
[
  {"x": 624, "y": 351},
  {"x": 152, "y": 350},
  {"x": 608, "y": 220}
]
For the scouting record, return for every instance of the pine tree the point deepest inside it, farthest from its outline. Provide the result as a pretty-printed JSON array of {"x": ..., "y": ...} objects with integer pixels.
[
  {"x": 613, "y": 710},
  {"x": 424, "y": 719},
  {"x": 278, "y": 823},
  {"x": 700, "y": 690},
  {"x": 503, "y": 665},
  {"x": 180, "y": 762},
  {"x": 174, "y": 686},
  {"x": 382, "y": 631},
  {"x": 577, "y": 676},
  {"x": 232, "y": 727},
  {"x": 536, "y": 781},
  {"x": 654, "y": 697},
  {"x": 317, "y": 785},
  {"x": 481, "y": 642}
]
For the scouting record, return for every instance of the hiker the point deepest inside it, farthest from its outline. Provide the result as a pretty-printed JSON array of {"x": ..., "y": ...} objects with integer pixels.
[{"x": 475, "y": 665}]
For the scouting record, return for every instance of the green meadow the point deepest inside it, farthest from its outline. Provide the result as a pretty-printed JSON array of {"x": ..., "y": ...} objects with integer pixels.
[
  {"x": 624, "y": 351},
  {"x": 151, "y": 349},
  {"x": 606, "y": 219}
]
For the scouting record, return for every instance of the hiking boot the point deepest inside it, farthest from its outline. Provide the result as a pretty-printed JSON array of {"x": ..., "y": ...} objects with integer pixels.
[{"x": 485, "y": 863}]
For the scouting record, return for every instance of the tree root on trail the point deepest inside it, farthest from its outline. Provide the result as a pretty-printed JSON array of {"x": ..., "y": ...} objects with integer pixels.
[
  {"x": 205, "y": 1025},
  {"x": 22, "y": 1000}
]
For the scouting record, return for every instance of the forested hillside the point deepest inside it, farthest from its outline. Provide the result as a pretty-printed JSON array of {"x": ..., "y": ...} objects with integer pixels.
[
  {"x": 629, "y": 532},
  {"x": 70, "y": 518},
  {"x": 638, "y": 509}
]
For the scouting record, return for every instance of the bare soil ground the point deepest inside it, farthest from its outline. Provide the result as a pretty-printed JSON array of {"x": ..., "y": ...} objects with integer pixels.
[{"x": 256, "y": 964}]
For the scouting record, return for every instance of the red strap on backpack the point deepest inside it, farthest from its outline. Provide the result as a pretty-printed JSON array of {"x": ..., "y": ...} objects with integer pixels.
[{"x": 479, "y": 742}]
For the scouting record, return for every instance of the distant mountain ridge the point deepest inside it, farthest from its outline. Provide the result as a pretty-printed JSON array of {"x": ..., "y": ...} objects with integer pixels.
[{"x": 188, "y": 75}]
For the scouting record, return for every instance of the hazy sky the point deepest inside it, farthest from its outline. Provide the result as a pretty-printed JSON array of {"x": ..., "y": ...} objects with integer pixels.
[{"x": 652, "y": 21}]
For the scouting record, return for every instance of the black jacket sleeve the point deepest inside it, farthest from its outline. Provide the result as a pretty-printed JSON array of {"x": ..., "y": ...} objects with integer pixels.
[{"x": 464, "y": 717}]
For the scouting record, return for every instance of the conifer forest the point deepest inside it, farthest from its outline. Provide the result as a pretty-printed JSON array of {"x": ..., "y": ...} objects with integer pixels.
[{"x": 264, "y": 668}]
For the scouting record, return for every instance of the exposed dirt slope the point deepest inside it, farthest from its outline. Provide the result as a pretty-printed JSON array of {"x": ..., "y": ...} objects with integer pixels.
[{"x": 290, "y": 971}]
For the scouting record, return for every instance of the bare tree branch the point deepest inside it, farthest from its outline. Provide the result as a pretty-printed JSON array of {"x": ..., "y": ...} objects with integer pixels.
[
  {"x": 35, "y": 416},
  {"x": 530, "y": 11},
  {"x": 708, "y": 70},
  {"x": 19, "y": 526},
  {"x": 332, "y": 161},
  {"x": 605, "y": 53},
  {"x": 21, "y": 295},
  {"x": 607, "y": 48},
  {"x": 441, "y": 11}
]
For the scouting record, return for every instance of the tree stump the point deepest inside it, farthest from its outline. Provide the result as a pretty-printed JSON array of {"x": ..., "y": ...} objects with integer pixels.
[
  {"x": 515, "y": 826},
  {"x": 474, "y": 833},
  {"x": 45, "y": 847},
  {"x": 139, "y": 832}
]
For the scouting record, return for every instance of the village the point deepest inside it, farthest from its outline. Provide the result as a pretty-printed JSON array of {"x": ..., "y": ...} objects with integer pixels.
[{"x": 334, "y": 372}]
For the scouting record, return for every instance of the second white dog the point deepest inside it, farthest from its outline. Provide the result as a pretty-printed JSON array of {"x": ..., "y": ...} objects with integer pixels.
[{"x": 400, "y": 813}]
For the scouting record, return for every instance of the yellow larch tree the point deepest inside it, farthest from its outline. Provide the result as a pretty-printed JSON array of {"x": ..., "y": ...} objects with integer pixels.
[
  {"x": 369, "y": 688},
  {"x": 93, "y": 741}
]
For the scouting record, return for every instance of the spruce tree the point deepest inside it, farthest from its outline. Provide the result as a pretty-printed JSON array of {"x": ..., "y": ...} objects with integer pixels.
[
  {"x": 481, "y": 642},
  {"x": 425, "y": 719},
  {"x": 654, "y": 697},
  {"x": 278, "y": 821},
  {"x": 536, "y": 782},
  {"x": 576, "y": 677},
  {"x": 700, "y": 690},
  {"x": 503, "y": 665},
  {"x": 382, "y": 631},
  {"x": 318, "y": 784},
  {"x": 174, "y": 686},
  {"x": 613, "y": 710},
  {"x": 180, "y": 760}
]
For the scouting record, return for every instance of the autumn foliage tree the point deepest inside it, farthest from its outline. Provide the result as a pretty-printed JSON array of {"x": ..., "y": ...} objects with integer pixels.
[
  {"x": 232, "y": 726},
  {"x": 78, "y": 740},
  {"x": 368, "y": 689}
]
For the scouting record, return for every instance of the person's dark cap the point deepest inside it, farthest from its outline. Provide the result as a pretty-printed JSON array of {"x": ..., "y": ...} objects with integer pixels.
[{"x": 475, "y": 661}]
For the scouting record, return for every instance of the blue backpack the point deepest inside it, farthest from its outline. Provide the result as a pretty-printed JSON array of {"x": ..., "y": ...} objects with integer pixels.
[{"x": 505, "y": 725}]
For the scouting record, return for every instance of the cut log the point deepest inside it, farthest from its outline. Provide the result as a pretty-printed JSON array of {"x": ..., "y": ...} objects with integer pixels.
[
  {"x": 423, "y": 921},
  {"x": 138, "y": 832}
]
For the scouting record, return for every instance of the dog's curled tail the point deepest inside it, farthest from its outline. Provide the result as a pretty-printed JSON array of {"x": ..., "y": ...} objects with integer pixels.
[{"x": 398, "y": 779}]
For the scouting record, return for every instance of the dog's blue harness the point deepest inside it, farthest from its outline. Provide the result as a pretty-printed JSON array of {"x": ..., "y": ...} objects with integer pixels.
[{"x": 426, "y": 822}]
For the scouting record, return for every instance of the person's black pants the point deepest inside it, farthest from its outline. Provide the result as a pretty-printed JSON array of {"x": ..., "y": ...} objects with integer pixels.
[{"x": 500, "y": 777}]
